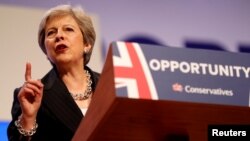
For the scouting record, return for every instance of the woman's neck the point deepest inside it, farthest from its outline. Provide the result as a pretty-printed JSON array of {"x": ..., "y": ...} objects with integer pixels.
[{"x": 74, "y": 78}]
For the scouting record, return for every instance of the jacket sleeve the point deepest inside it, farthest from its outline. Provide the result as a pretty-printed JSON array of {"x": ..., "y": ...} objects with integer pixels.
[{"x": 12, "y": 132}]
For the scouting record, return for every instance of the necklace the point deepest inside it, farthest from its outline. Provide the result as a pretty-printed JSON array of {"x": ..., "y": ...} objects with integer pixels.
[{"x": 87, "y": 92}]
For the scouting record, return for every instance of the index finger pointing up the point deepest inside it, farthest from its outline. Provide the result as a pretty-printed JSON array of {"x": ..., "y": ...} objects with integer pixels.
[{"x": 28, "y": 72}]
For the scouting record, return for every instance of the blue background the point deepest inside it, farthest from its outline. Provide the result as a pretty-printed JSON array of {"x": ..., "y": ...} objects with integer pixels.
[{"x": 3, "y": 130}]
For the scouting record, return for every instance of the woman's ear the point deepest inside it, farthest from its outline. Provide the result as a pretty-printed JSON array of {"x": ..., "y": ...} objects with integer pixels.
[{"x": 87, "y": 48}]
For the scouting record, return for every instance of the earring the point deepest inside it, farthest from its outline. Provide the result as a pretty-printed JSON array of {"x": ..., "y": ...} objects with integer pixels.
[{"x": 85, "y": 50}]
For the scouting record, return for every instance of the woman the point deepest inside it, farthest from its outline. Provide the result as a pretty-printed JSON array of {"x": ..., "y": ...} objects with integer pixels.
[{"x": 52, "y": 108}]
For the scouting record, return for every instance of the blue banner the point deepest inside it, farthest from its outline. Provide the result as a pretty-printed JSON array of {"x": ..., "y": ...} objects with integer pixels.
[{"x": 180, "y": 74}]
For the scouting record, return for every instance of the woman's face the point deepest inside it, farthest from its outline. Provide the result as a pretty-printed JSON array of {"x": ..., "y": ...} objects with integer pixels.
[{"x": 64, "y": 41}]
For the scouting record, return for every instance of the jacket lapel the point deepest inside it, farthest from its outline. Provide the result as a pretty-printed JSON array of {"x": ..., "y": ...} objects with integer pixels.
[{"x": 56, "y": 97}]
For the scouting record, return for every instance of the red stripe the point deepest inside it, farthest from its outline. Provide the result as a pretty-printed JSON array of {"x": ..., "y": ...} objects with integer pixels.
[{"x": 136, "y": 72}]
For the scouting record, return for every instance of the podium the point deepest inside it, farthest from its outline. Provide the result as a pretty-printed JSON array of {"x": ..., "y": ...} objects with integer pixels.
[{"x": 155, "y": 93}]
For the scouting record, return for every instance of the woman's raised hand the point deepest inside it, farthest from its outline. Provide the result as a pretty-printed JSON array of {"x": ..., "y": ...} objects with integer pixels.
[{"x": 30, "y": 97}]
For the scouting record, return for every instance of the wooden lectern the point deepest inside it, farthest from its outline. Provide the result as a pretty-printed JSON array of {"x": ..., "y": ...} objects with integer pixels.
[{"x": 115, "y": 117}]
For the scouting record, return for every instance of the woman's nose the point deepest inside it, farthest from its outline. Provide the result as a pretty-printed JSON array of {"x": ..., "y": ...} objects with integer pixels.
[{"x": 59, "y": 35}]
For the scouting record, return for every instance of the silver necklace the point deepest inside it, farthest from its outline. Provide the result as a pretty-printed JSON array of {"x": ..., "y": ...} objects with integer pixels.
[{"x": 87, "y": 92}]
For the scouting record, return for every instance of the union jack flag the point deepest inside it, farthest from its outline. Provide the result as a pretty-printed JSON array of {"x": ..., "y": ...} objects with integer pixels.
[{"x": 133, "y": 78}]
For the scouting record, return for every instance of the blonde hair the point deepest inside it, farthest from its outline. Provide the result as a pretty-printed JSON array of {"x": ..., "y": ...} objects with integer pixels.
[{"x": 83, "y": 20}]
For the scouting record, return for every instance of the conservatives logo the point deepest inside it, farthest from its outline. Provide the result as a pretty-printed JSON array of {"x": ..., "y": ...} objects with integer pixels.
[{"x": 177, "y": 87}]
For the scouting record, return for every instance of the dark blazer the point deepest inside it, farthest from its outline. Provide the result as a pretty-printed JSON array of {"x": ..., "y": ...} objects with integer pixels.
[{"x": 58, "y": 117}]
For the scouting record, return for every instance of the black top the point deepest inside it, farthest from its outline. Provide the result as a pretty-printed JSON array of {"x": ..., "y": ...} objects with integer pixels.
[{"x": 58, "y": 117}]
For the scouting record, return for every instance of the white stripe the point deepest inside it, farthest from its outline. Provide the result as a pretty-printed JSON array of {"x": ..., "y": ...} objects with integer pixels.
[
  {"x": 147, "y": 72},
  {"x": 130, "y": 84},
  {"x": 124, "y": 59}
]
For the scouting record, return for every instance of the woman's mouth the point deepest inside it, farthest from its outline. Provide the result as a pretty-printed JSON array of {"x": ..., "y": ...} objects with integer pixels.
[{"x": 61, "y": 48}]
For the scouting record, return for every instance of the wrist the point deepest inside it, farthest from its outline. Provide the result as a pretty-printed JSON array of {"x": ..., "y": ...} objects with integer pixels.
[
  {"x": 27, "y": 121},
  {"x": 26, "y": 127}
]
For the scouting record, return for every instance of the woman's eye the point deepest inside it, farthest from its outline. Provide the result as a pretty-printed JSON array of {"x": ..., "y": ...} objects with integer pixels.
[
  {"x": 50, "y": 33},
  {"x": 69, "y": 29}
]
